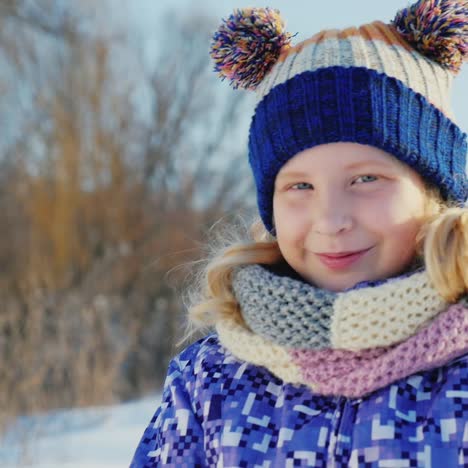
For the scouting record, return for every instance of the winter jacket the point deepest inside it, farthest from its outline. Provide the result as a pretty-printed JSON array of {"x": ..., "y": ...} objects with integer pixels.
[
  {"x": 217, "y": 411},
  {"x": 376, "y": 376}
]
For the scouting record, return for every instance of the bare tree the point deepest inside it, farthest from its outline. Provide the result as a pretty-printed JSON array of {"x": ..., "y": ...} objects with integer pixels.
[{"x": 102, "y": 201}]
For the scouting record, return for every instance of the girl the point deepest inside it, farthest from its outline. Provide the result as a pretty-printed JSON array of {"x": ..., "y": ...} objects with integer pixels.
[{"x": 342, "y": 325}]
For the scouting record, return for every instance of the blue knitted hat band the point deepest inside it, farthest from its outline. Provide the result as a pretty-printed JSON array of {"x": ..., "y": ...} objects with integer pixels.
[
  {"x": 354, "y": 104},
  {"x": 382, "y": 84}
]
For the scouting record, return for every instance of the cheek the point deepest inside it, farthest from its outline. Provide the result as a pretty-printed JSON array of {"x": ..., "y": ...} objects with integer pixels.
[
  {"x": 398, "y": 218},
  {"x": 402, "y": 235},
  {"x": 403, "y": 204},
  {"x": 399, "y": 246},
  {"x": 290, "y": 223}
]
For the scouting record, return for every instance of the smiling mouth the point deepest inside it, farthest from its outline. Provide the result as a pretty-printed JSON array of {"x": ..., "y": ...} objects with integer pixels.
[{"x": 341, "y": 260}]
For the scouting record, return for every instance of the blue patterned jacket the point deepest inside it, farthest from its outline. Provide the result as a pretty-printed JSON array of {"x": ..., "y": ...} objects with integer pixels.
[{"x": 219, "y": 412}]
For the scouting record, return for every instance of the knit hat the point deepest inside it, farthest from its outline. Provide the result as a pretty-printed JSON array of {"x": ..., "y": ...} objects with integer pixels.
[{"x": 384, "y": 85}]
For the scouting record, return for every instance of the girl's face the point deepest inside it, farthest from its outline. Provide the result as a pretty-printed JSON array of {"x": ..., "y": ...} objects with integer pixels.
[{"x": 346, "y": 213}]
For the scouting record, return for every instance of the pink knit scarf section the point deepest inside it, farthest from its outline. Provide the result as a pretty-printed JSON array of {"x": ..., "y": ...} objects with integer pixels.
[{"x": 356, "y": 373}]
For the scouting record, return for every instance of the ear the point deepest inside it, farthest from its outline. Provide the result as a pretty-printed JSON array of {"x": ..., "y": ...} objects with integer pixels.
[
  {"x": 438, "y": 29},
  {"x": 247, "y": 44}
]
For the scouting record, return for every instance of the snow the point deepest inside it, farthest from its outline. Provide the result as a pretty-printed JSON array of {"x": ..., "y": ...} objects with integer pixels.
[{"x": 101, "y": 437}]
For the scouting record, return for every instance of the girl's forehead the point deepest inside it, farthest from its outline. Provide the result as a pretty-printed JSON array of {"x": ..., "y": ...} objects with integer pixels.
[{"x": 340, "y": 155}]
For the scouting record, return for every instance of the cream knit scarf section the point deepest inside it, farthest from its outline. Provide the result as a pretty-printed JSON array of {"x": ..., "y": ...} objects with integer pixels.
[{"x": 349, "y": 343}]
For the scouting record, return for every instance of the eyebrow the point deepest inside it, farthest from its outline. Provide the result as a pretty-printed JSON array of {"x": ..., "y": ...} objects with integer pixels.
[
  {"x": 356, "y": 165},
  {"x": 369, "y": 163}
]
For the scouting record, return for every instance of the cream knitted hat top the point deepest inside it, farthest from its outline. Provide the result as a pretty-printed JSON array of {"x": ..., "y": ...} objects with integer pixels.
[
  {"x": 375, "y": 46},
  {"x": 384, "y": 85}
]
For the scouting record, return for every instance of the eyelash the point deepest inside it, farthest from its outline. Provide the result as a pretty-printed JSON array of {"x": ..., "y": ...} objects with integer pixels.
[
  {"x": 368, "y": 175},
  {"x": 294, "y": 187}
]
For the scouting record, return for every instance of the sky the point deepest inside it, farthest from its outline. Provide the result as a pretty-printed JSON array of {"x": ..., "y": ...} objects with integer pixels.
[{"x": 303, "y": 17}]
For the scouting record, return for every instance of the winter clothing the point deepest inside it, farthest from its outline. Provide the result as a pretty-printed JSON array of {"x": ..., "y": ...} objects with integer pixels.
[
  {"x": 343, "y": 344},
  {"x": 384, "y": 85},
  {"x": 218, "y": 411},
  {"x": 374, "y": 376},
  {"x": 391, "y": 395}
]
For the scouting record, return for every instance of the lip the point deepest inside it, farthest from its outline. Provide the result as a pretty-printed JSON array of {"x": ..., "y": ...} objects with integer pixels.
[{"x": 341, "y": 260}]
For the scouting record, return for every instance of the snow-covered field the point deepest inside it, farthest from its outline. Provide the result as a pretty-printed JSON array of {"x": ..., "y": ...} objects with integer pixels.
[{"x": 104, "y": 437}]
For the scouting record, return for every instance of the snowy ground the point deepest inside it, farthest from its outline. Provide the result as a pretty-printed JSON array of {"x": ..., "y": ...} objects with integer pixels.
[{"x": 88, "y": 438}]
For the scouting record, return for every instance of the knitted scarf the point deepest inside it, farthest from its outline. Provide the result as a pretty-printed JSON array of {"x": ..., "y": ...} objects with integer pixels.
[{"x": 348, "y": 343}]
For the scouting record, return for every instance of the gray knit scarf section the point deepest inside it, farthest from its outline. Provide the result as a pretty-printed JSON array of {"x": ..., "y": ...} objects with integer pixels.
[{"x": 288, "y": 311}]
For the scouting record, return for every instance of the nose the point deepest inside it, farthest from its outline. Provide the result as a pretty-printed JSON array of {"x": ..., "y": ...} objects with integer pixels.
[{"x": 332, "y": 214}]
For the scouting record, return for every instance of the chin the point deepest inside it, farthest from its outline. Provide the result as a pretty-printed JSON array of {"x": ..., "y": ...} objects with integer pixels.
[
  {"x": 341, "y": 287},
  {"x": 338, "y": 285}
]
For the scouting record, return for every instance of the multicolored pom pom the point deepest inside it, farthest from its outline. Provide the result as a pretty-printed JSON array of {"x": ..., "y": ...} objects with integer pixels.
[
  {"x": 438, "y": 29},
  {"x": 247, "y": 45}
]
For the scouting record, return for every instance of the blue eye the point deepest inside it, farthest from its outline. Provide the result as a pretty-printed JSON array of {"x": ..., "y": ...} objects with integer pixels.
[
  {"x": 302, "y": 186},
  {"x": 366, "y": 178}
]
